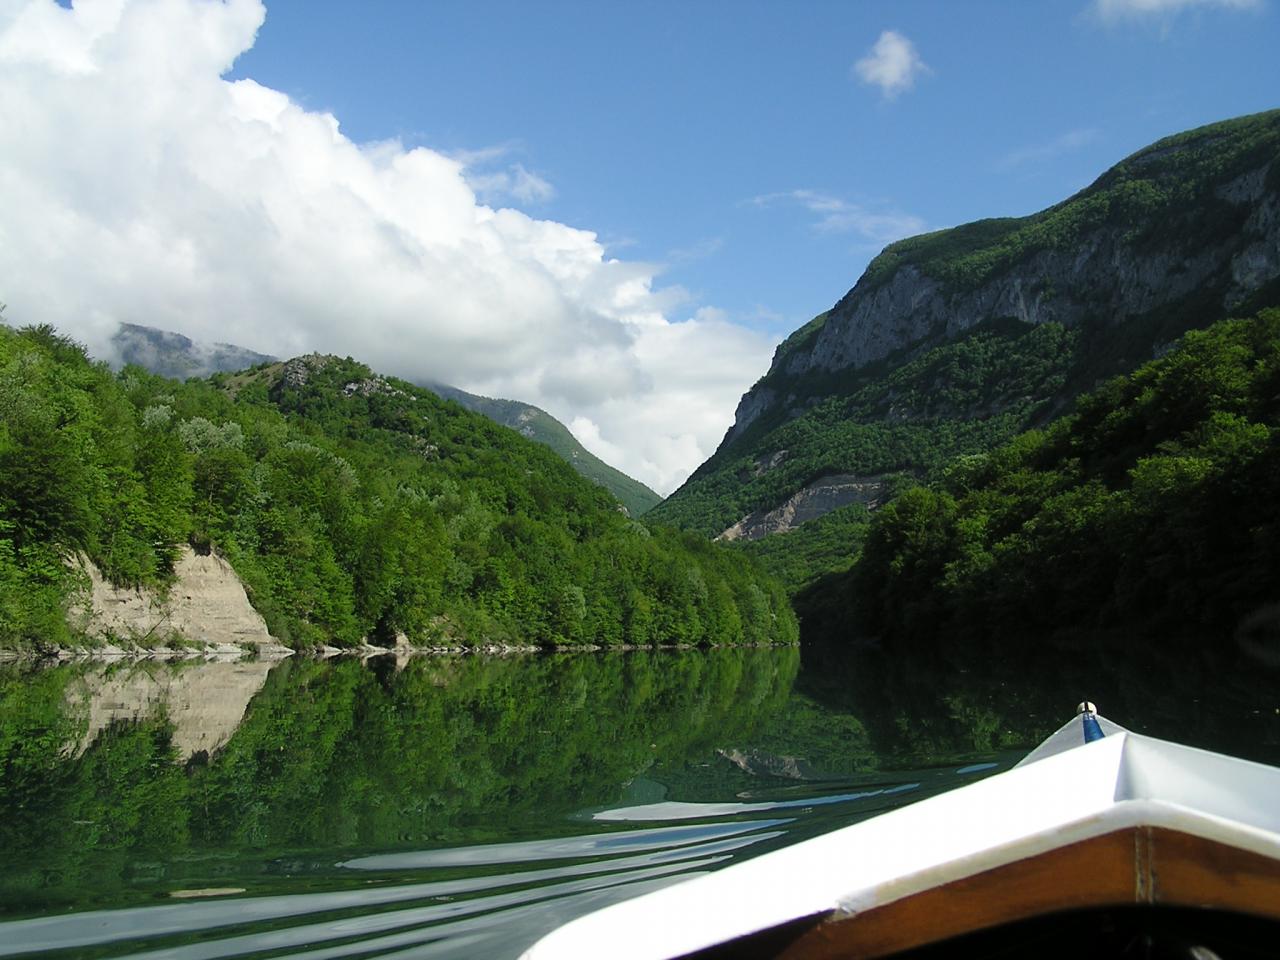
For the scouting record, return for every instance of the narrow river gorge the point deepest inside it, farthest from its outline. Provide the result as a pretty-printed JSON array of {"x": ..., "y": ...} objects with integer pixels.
[{"x": 461, "y": 805}]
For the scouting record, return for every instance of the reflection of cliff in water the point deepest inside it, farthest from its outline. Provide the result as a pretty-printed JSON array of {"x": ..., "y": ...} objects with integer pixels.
[
  {"x": 203, "y": 702},
  {"x": 345, "y": 756}
]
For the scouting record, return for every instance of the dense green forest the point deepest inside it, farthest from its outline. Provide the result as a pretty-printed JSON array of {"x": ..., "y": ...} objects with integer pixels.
[
  {"x": 351, "y": 505},
  {"x": 1128, "y": 552},
  {"x": 346, "y": 755},
  {"x": 908, "y": 413},
  {"x": 1149, "y": 515},
  {"x": 173, "y": 355}
]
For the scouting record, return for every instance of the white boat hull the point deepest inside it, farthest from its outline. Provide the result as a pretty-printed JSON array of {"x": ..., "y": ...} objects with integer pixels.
[{"x": 1104, "y": 795}]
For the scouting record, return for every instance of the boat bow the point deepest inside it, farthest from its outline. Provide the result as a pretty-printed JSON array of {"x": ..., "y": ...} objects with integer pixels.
[{"x": 1124, "y": 820}]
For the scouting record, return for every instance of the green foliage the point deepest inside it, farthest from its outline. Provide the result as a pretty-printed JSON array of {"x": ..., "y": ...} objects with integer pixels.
[
  {"x": 537, "y": 424},
  {"x": 36, "y": 731},
  {"x": 351, "y": 505},
  {"x": 1149, "y": 513},
  {"x": 77, "y": 473},
  {"x": 915, "y": 416},
  {"x": 819, "y": 546}
]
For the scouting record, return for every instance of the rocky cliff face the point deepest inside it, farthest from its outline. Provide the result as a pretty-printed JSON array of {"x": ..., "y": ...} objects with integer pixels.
[
  {"x": 206, "y": 604},
  {"x": 816, "y": 500},
  {"x": 1225, "y": 244},
  {"x": 1104, "y": 275}
]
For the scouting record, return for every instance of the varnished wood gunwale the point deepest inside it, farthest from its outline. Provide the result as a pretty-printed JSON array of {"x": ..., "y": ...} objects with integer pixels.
[{"x": 1135, "y": 866}]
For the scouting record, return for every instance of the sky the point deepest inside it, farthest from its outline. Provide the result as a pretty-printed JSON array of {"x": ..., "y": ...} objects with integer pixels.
[{"x": 614, "y": 211}]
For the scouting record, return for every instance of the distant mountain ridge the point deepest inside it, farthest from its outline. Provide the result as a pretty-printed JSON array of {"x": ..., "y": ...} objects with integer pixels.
[
  {"x": 174, "y": 355},
  {"x": 953, "y": 342}
]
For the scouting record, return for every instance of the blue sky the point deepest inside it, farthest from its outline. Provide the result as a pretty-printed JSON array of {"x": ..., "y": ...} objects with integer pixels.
[
  {"x": 612, "y": 210},
  {"x": 661, "y": 126}
]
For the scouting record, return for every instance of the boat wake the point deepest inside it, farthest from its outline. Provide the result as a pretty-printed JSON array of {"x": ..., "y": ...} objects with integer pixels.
[{"x": 490, "y": 900}]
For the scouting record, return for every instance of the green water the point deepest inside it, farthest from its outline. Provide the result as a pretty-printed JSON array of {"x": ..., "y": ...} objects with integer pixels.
[{"x": 456, "y": 806}]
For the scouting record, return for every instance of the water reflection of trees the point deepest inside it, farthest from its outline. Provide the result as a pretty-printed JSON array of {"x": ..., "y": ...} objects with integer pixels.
[
  {"x": 352, "y": 756},
  {"x": 1006, "y": 694}
]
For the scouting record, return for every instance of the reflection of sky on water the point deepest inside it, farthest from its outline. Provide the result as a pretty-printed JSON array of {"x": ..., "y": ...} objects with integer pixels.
[
  {"x": 455, "y": 917},
  {"x": 560, "y": 848},
  {"x": 664, "y": 855},
  {"x": 674, "y": 810},
  {"x": 361, "y": 926}
]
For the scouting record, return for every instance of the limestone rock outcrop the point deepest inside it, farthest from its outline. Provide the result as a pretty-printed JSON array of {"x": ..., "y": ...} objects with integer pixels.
[
  {"x": 206, "y": 604},
  {"x": 815, "y": 500}
]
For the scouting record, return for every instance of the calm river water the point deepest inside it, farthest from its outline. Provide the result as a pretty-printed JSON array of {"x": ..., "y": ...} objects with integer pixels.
[{"x": 448, "y": 806}]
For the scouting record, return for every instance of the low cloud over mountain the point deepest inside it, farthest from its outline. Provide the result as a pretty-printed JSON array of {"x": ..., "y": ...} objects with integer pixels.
[{"x": 140, "y": 186}]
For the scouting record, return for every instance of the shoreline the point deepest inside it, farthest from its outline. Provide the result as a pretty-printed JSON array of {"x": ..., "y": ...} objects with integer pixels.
[{"x": 275, "y": 653}]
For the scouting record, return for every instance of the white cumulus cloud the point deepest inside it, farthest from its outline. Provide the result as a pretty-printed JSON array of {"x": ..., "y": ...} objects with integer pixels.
[
  {"x": 140, "y": 186},
  {"x": 892, "y": 64}
]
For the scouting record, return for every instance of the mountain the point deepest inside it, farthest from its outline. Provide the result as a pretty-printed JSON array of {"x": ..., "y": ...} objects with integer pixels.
[
  {"x": 953, "y": 342},
  {"x": 173, "y": 355},
  {"x": 538, "y": 425},
  {"x": 350, "y": 505},
  {"x": 1130, "y": 549}
]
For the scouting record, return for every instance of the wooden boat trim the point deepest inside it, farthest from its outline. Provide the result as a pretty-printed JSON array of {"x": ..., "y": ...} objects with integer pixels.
[{"x": 1145, "y": 866}]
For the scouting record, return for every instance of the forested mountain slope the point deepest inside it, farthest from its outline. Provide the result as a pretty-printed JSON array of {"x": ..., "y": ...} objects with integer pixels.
[
  {"x": 1152, "y": 511},
  {"x": 955, "y": 341},
  {"x": 1138, "y": 536},
  {"x": 173, "y": 355},
  {"x": 351, "y": 505},
  {"x": 540, "y": 426}
]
